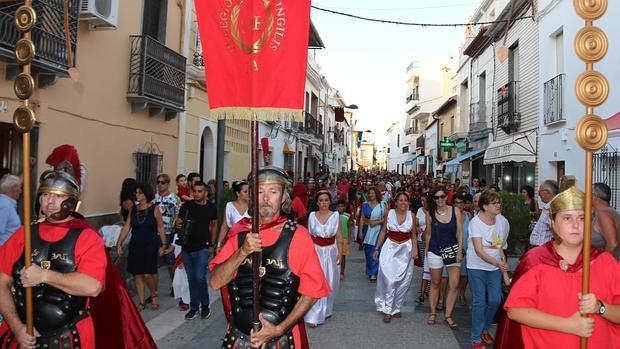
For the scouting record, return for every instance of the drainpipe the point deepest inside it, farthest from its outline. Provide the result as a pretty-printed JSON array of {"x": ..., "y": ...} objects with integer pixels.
[{"x": 186, "y": 11}]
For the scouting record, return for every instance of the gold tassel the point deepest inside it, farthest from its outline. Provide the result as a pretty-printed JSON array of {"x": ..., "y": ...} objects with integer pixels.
[{"x": 265, "y": 114}]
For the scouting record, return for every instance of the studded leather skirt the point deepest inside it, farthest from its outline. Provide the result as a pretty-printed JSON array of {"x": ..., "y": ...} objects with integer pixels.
[
  {"x": 236, "y": 339},
  {"x": 66, "y": 337}
]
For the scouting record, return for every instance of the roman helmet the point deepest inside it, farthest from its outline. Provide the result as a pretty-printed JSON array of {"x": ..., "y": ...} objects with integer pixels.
[
  {"x": 276, "y": 175},
  {"x": 64, "y": 179}
]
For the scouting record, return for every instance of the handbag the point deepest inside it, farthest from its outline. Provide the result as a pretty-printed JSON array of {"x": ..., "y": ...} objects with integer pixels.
[
  {"x": 419, "y": 261},
  {"x": 448, "y": 254}
]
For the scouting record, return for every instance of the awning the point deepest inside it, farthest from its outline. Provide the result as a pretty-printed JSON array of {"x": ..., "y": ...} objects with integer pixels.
[
  {"x": 453, "y": 165},
  {"x": 411, "y": 159},
  {"x": 518, "y": 148},
  {"x": 317, "y": 154},
  {"x": 287, "y": 150}
]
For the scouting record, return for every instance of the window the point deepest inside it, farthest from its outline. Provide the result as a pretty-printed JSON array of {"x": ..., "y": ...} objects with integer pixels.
[
  {"x": 559, "y": 52},
  {"x": 513, "y": 63},
  {"x": 154, "y": 19},
  {"x": 148, "y": 165},
  {"x": 397, "y": 167},
  {"x": 398, "y": 140}
]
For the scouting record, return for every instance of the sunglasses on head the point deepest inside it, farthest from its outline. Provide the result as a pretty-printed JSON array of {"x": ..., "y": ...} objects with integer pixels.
[{"x": 437, "y": 197}]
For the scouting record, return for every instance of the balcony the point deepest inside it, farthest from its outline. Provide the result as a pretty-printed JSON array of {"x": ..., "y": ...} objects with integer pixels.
[
  {"x": 48, "y": 36},
  {"x": 508, "y": 115},
  {"x": 156, "y": 77},
  {"x": 478, "y": 128},
  {"x": 554, "y": 100},
  {"x": 415, "y": 96}
]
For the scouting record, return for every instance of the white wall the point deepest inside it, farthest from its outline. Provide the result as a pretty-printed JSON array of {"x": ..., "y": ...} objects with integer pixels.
[{"x": 557, "y": 142}]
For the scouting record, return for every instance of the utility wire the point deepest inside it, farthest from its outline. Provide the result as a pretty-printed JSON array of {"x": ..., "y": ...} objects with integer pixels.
[{"x": 386, "y": 21}]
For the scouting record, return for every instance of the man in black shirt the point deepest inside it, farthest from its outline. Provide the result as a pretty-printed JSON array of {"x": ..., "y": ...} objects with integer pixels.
[{"x": 197, "y": 220}]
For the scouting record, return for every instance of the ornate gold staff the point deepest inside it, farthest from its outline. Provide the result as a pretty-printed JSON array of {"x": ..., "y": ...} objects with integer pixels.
[
  {"x": 591, "y": 89},
  {"x": 24, "y": 119}
]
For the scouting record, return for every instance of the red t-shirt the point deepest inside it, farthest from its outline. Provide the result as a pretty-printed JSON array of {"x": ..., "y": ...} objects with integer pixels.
[
  {"x": 302, "y": 259},
  {"x": 89, "y": 257},
  {"x": 183, "y": 191},
  {"x": 554, "y": 291}
]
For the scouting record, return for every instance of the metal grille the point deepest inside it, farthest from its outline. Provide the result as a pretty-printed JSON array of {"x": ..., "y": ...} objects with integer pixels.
[
  {"x": 606, "y": 170},
  {"x": 48, "y": 35},
  {"x": 157, "y": 72},
  {"x": 149, "y": 163},
  {"x": 554, "y": 99}
]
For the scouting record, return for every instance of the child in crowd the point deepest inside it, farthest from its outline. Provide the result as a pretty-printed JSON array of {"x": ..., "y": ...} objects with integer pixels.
[
  {"x": 345, "y": 225},
  {"x": 182, "y": 189}
]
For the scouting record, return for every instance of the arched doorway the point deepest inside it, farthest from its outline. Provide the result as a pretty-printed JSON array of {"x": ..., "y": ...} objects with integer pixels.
[{"x": 207, "y": 154}]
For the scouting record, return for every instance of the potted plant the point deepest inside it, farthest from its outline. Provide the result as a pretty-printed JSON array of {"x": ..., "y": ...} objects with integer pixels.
[{"x": 518, "y": 215}]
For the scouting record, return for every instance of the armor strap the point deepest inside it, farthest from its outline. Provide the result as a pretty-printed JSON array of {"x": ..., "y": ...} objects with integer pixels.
[{"x": 236, "y": 339}]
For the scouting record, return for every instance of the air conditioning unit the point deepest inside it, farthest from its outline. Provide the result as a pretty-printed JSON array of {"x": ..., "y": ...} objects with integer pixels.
[{"x": 99, "y": 13}]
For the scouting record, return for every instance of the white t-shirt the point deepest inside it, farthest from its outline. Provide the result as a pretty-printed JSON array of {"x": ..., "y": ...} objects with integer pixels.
[
  {"x": 421, "y": 216},
  {"x": 494, "y": 239}
]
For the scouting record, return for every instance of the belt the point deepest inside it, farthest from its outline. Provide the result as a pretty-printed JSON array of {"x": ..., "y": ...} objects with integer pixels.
[
  {"x": 398, "y": 236},
  {"x": 323, "y": 241}
]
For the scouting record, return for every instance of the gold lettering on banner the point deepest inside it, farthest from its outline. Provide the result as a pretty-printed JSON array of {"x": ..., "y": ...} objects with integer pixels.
[
  {"x": 257, "y": 23},
  {"x": 275, "y": 42},
  {"x": 254, "y": 65}
]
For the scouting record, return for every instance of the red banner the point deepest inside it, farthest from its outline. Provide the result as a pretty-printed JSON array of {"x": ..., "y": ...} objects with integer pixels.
[{"x": 255, "y": 54}]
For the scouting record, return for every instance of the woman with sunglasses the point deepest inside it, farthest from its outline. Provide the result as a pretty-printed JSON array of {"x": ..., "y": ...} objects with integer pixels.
[
  {"x": 444, "y": 247},
  {"x": 397, "y": 255},
  {"x": 488, "y": 234},
  {"x": 326, "y": 233},
  {"x": 148, "y": 241}
]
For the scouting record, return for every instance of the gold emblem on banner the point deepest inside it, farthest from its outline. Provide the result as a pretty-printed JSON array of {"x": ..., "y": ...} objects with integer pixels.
[{"x": 256, "y": 22}]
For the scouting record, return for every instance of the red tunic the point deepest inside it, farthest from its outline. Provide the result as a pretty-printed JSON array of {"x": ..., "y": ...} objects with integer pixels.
[
  {"x": 548, "y": 288},
  {"x": 90, "y": 258},
  {"x": 302, "y": 260}
]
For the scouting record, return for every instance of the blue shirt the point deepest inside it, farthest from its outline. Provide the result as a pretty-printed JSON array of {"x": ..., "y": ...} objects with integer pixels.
[{"x": 9, "y": 220}]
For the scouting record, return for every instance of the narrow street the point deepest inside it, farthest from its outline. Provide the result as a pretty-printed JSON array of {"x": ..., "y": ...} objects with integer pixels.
[{"x": 355, "y": 323}]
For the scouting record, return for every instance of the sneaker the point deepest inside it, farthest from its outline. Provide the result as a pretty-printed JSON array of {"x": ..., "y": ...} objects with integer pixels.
[
  {"x": 205, "y": 312},
  {"x": 191, "y": 315},
  {"x": 477, "y": 345},
  {"x": 487, "y": 338}
]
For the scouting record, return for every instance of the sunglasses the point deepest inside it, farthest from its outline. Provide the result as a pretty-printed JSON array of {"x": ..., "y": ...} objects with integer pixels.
[
  {"x": 437, "y": 197},
  {"x": 162, "y": 182}
]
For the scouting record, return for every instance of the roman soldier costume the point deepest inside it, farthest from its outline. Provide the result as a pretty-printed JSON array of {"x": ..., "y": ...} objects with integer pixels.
[
  {"x": 62, "y": 319},
  {"x": 288, "y": 260}
]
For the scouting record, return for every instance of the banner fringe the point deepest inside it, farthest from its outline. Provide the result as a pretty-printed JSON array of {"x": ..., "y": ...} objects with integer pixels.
[{"x": 265, "y": 114}]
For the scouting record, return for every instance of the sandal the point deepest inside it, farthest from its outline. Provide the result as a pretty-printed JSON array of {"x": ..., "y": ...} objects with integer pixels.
[
  {"x": 432, "y": 319},
  {"x": 397, "y": 315},
  {"x": 154, "y": 302},
  {"x": 387, "y": 318},
  {"x": 141, "y": 306},
  {"x": 450, "y": 323}
]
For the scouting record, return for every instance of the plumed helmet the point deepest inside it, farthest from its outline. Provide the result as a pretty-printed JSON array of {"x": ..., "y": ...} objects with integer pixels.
[{"x": 64, "y": 179}]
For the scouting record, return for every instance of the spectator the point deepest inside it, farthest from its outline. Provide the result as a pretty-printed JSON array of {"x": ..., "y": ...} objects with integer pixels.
[
  {"x": 127, "y": 197},
  {"x": 488, "y": 233},
  {"x": 444, "y": 241},
  {"x": 463, "y": 201},
  {"x": 182, "y": 190},
  {"x": 148, "y": 240},
  {"x": 475, "y": 186},
  {"x": 373, "y": 216},
  {"x": 235, "y": 210},
  {"x": 606, "y": 221},
  {"x": 192, "y": 178},
  {"x": 198, "y": 220},
  {"x": 421, "y": 213},
  {"x": 169, "y": 204},
  {"x": 10, "y": 190},
  {"x": 530, "y": 201},
  {"x": 542, "y": 231}
]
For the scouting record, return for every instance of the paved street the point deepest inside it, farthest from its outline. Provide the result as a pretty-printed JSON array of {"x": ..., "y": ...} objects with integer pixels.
[{"x": 355, "y": 323}]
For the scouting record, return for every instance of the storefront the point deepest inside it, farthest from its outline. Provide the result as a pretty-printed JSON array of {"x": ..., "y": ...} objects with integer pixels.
[{"x": 513, "y": 160}]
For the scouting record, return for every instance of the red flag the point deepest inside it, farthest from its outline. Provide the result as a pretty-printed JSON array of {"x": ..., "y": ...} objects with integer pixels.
[
  {"x": 339, "y": 114},
  {"x": 255, "y": 54}
]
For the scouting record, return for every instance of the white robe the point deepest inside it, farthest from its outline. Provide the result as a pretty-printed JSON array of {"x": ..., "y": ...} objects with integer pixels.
[
  {"x": 395, "y": 268},
  {"x": 328, "y": 257}
]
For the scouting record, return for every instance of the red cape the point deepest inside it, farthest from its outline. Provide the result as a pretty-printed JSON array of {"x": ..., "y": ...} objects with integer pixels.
[{"x": 508, "y": 335}]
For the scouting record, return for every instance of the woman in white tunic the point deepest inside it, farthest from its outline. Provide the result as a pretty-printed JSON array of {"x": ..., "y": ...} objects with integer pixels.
[
  {"x": 324, "y": 228},
  {"x": 235, "y": 210},
  {"x": 396, "y": 261}
]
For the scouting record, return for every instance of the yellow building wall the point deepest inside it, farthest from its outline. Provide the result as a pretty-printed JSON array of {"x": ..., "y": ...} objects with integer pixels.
[{"x": 94, "y": 114}]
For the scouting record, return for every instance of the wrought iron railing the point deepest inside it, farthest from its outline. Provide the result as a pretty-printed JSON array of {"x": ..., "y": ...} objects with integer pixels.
[
  {"x": 48, "y": 35},
  {"x": 607, "y": 170},
  {"x": 156, "y": 73},
  {"x": 508, "y": 115},
  {"x": 415, "y": 96},
  {"x": 554, "y": 99}
]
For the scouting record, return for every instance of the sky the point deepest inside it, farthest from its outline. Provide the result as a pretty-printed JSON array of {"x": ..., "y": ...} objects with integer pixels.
[{"x": 367, "y": 61}]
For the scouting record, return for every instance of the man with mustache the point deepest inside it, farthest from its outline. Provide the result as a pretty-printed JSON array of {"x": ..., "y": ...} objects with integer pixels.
[{"x": 291, "y": 278}]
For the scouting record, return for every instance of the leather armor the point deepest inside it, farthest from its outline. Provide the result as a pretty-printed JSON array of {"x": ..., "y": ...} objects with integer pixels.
[
  {"x": 278, "y": 286},
  {"x": 55, "y": 311}
]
